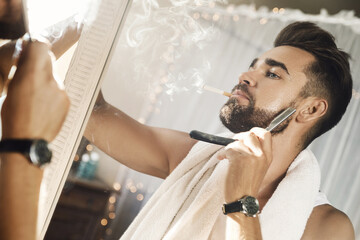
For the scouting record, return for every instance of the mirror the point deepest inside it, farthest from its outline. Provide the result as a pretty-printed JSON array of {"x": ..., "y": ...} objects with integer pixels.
[{"x": 150, "y": 59}]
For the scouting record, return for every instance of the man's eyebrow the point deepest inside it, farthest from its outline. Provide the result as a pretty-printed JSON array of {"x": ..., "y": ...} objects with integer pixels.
[
  {"x": 273, "y": 63},
  {"x": 253, "y": 63}
]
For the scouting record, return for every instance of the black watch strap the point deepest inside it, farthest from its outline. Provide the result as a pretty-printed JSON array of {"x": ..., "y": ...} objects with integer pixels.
[
  {"x": 232, "y": 207},
  {"x": 35, "y": 150},
  {"x": 16, "y": 145},
  {"x": 248, "y": 205}
]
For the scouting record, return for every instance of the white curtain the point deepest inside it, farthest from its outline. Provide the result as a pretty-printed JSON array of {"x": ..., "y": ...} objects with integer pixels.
[{"x": 233, "y": 37}]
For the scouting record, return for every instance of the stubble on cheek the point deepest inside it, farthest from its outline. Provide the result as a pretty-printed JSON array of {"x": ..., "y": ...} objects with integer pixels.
[{"x": 226, "y": 112}]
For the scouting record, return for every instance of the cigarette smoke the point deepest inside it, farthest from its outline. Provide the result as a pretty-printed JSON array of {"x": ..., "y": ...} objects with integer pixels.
[{"x": 164, "y": 35}]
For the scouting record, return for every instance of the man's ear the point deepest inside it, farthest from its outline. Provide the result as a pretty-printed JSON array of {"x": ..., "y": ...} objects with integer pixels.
[{"x": 311, "y": 108}]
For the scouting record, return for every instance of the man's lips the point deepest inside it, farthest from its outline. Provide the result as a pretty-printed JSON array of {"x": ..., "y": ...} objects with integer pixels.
[{"x": 239, "y": 94}]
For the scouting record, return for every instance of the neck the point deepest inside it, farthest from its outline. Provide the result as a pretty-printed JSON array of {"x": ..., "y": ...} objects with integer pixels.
[{"x": 285, "y": 148}]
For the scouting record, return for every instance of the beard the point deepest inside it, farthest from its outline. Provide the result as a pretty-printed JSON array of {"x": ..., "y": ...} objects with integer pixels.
[
  {"x": 12, "y": 30},
  {"x": 12, "y": 25},
  {"x": 238, "y": 118}
]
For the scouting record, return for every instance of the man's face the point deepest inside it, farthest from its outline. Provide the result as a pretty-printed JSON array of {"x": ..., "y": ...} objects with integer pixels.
[
  {"x": 11, "y": 19},
  {"x": 272, "y": 83}
]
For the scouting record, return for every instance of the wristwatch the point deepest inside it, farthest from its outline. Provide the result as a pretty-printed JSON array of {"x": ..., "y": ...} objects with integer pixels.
[
  {"x": 35, "y": 150},
  {"x": 247, "y": 205}
]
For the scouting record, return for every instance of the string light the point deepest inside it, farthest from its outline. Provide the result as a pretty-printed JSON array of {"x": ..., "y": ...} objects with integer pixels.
[
  {"x": 76, "y": 158},
  {"x": 111, "y": 207},
  {"x": 112, "y": 199},
  {"x": 282, "y": 10},
  {"x": 112, "y": 215},
  {"x": 133, "y": 189},
  {"x": 117, "y": 186},
  {"x": 104, "y": 222},
  {"x": 129, "y": 183},
  {"x": 216, "y": 17},
  {"x": 89, "y": 147},
  {"x": 140, "y": 197},
  {"x": 275, "y": 10},
  {"x": 236, "y": 18}
]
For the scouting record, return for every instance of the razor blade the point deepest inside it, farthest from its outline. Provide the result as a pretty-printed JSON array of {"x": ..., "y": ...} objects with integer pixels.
[{"x": 205, "y": 137}]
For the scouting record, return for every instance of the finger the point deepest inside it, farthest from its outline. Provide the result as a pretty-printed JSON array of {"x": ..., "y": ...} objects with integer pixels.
[
  {"x": 56, "y": 77},
  {"x": 221, "y": 155},
  {"x": 240, "y": 136},
  {"x": 235, "y": 148},
  {"x": 254, "y": 144},
  {"x": 265, "y": 139},
  {"x": 238, "y": 145},
  {"x": 36, "y": 53}
]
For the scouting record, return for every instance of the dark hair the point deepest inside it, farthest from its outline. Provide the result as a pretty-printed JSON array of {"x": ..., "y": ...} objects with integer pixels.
[{"x": 329, "y": 75}]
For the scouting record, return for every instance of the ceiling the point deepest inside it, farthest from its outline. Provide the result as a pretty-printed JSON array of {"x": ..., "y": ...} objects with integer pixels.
[{"x": 307, "y": 6}]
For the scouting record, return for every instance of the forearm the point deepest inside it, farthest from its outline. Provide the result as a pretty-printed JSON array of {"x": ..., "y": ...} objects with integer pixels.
[
  {"x": 63, "y": 35},
  {"x": 143, "y": 148},
  {"x": 19, "y": 194},
  {"x": 248, "y": 228},
  {"x": 121, "y": 137}
]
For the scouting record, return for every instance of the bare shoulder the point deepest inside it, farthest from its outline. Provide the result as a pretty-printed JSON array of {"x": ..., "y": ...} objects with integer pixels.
[
  {"x": 176, "y": 144},
  {"x": 327, "y": 222}
]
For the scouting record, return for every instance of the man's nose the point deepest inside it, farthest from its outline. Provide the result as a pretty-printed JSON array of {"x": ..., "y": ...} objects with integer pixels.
[{"x": 248, "y": 79}]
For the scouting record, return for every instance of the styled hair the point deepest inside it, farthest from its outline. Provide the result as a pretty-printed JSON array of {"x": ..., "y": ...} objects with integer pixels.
[{"x": 328, "y": 76}]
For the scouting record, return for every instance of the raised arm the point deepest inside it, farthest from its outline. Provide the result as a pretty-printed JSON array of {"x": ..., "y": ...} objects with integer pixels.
[
  {"x": 154, "y": 151},
  {"x": 34, "y": 108}
]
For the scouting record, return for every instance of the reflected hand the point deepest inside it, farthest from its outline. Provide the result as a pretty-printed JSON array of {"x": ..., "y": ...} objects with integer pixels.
[
  {"x": 249, "y": 159},
  {"x": 35, "y": 106},
  {"x": 63, "y": 34}
]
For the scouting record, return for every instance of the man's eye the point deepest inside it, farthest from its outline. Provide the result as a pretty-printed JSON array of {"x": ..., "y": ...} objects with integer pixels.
[{"x": 272, "y": 75}]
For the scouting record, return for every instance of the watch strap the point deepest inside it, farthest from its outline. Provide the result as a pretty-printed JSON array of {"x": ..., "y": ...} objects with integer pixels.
[
  {"x": 232, "y": 207},
  {"x": 16, "y": 145},
  {"x": 35, "y": 150},
  {"x": 248, "y": 205}
]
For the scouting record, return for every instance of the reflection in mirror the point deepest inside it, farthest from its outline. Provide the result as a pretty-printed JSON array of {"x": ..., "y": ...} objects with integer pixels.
[{"x": 162, "y": 57}]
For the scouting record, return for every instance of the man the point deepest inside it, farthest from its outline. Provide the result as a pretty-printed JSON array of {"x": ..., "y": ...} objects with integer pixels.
[
  {"x": 304, "y": 70},
  {"x": 35, "y": 108}
]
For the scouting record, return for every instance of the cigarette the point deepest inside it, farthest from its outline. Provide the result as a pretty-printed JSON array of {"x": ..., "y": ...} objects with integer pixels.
[
  {"x": 16, "y": 54},
  {"x": 215, "y": 90},
  {"x": 15, "y": 57}
]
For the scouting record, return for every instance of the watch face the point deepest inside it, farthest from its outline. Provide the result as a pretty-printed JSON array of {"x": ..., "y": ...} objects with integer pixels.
[
  {"x": 251, "y": 206},
  {"x": 42, "y": 152}
]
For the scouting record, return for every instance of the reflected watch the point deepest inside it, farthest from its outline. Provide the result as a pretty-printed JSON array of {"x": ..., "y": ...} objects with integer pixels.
[
  {"x": 35, "y": 150},
  {"x": 247, "y": 205}
]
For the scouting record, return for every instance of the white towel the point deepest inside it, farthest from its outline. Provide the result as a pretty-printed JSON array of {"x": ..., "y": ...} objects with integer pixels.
[
  {"x": 286, "y": 213},
  {"x": 188, "y": 203}
]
